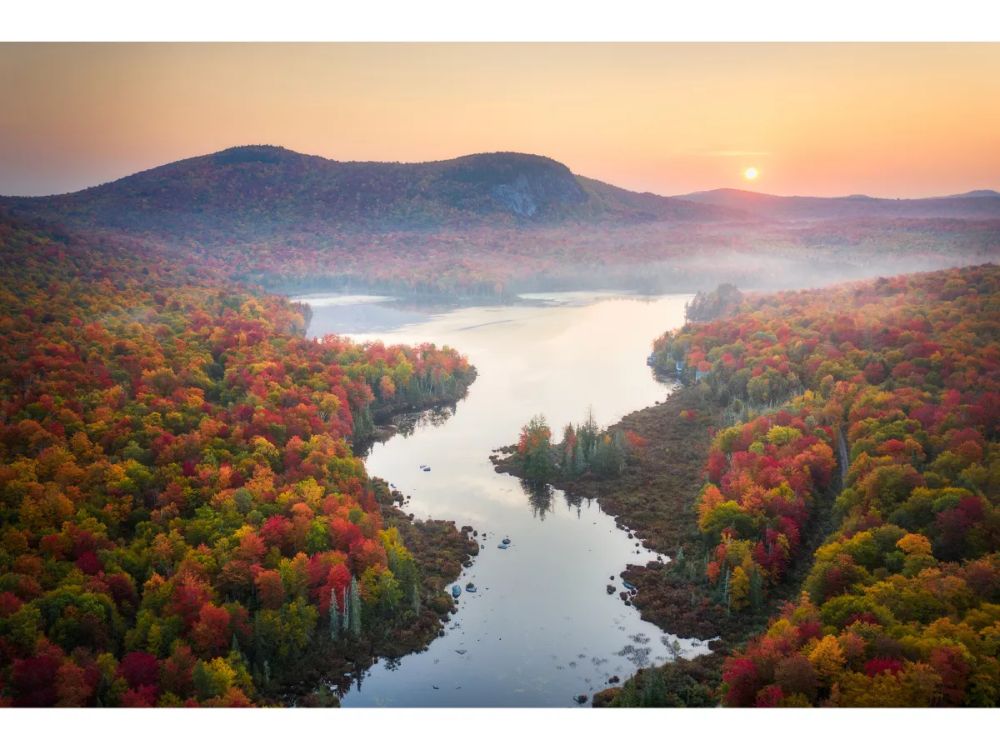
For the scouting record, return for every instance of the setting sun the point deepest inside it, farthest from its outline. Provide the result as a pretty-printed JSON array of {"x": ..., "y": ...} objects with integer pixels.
[{"x": 245, "y": 288}]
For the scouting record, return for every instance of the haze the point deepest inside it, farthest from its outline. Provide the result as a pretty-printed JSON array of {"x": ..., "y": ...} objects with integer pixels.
[{"x": 898, "y": 120}]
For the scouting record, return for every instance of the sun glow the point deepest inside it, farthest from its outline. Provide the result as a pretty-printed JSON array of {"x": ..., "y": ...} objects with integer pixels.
[{"x": 750, "y": 173}]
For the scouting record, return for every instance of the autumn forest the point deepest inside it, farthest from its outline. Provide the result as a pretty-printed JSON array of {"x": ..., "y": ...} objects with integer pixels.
[{"x": 682, "y": 400}]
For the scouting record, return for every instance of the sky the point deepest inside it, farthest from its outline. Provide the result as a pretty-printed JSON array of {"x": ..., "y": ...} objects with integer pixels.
[{"x": 894, "y": 120}]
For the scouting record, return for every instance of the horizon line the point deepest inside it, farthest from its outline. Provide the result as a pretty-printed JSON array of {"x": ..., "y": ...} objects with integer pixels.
[{"x": 678, "y": 196}]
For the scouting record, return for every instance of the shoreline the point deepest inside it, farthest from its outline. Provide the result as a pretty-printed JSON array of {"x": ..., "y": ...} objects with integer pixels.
[
  {"x": 657, "y": 508},
  {"x": 655, "y": 500},
  {"x": 326, "y": 673}
]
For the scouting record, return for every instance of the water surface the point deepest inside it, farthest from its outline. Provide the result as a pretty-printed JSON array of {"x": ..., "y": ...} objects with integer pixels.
[{"x": 541, "y": 629}]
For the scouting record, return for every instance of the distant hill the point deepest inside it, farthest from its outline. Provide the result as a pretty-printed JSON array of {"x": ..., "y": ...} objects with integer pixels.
[
  {"x": 978, "y": 204},
  {"x": 254, "y": 192}
]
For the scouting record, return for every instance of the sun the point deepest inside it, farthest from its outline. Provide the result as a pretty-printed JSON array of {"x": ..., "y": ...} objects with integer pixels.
[{"x": 750, "y": 173}]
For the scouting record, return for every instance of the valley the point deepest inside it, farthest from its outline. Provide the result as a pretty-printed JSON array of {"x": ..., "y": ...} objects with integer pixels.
[{"x": 250, "y": 401}]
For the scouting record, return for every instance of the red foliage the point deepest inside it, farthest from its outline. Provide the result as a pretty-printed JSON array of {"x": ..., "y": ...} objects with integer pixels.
[
  {"x": 742, "y": 682},
  {"x": 211, "y": 633},
  {"x": 139, "y": 668},
  {"x": 881, "y": 664}
]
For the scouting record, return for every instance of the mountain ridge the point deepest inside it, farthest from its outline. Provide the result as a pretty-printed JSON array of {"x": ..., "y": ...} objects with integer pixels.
[
  {"x": 256, "y": 193},
  {"x": 969, "y": 205},
  {"x": 270, "y": 189}
]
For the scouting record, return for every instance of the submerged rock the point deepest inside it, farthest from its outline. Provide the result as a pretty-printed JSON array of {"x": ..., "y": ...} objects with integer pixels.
[
  {"x": 611, "y": 589},
  {"x": 581, "y": 699}
]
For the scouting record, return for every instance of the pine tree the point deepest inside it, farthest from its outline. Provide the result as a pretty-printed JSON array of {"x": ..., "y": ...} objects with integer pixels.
[
  {"x": 415, "y": 599},
  {"x": 756, "y": 588},
  {"x": 680, "y": 567},
  {"x": 725, "y": 590},
  {"x": 354, "y": 600},
  {"x": 334, "y": 617},
  {"x": 347, "y": 617}
]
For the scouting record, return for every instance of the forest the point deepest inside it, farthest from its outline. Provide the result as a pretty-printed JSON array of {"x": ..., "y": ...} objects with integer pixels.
[
  {"x": 186, "y": 521},
  {"x": 873, "y": 406},
  {"x": 841, "y": 534},
  {"x": 487, "y": 226},
  {"x": 182, "y": 518}
]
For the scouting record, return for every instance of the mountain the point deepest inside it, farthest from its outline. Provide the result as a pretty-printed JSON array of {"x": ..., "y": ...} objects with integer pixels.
[
  {"x": 978, "y": 204},
  {"x": 250, "y": 192}
]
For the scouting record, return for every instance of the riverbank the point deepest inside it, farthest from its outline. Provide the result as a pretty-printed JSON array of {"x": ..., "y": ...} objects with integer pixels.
[
  {"x": 654, "y": 498},
  {"x": 387, "y": 421},
  {"x": 490, "y": 656},
  {"x": 440, "y": 550}
]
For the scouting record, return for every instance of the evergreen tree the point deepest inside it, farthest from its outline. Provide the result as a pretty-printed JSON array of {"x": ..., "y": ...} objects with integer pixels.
[
  {"x": 415, "y": 599},
  {"x": 354, "y": 602},
  {"x": 334, "y": 617},
  {"x": 680, "y": 567},
  {"x": 756, "y": 588},
  {"x": 725, "y": 590}
]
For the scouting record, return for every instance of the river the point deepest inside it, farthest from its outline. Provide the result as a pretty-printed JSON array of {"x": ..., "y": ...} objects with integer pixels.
[{"x": 541, "y": 627}]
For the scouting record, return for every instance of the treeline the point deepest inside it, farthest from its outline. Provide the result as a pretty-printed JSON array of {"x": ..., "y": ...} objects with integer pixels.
[
  {"x": 400, "y": 378},
  {"x": 711, "y": 305},
  {"x": 901, "y": 377},
  {"x": 585, "y": 449},
  {"x": 182, "y": 519}
]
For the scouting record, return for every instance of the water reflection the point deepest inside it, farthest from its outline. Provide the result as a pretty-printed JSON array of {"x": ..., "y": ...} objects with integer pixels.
[
  {"x": 541, "y": 627},
  {"x": 539, "y": 497}
]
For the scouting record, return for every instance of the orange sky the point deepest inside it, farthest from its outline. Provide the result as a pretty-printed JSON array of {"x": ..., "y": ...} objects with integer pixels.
[{"x": 893, "y": 120}]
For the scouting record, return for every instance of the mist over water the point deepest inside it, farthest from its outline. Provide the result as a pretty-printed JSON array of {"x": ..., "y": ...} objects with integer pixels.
[{"x": 541, "y": 627}]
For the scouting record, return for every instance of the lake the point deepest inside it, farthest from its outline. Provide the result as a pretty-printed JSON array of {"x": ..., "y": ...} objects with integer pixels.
[{"x": 541, "y": 628}]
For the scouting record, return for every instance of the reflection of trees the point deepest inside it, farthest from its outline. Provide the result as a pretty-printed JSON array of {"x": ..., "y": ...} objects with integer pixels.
[
  {"x": 539, "y": 496},
  {"x": 392, "y": 663},
  {"x": 638, "y": 656},
  {"x": 575, "y": 501},
  {"x": 406, "y": 424}
]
